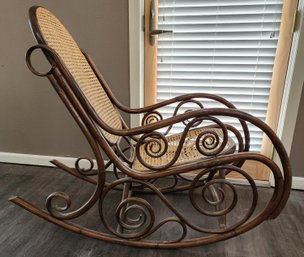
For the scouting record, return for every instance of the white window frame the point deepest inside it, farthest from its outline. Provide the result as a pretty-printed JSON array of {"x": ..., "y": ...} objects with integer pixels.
[{"x": 294, "y": 82}]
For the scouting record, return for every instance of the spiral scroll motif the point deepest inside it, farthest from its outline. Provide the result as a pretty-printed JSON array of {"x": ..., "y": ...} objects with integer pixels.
[
  {"x": 135, "y": 216},
  {"x": 52, "y": 202},
  {"x": 143, "y": 222},
  {"x": 186, "y": 122},
  {"x": 85, "y": 171},
  {"x": 211, "y": 185},
  {"x": 151, "y": 117},
  {"x": 155, "y": 144},
  {"x": 200, "y": 106},
  {"x": 209, "y": 143},
  {"x": 208, "y": 140},
  {"x": 221, "y": 196}
]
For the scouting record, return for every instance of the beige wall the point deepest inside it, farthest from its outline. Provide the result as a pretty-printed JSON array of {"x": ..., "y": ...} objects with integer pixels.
[
  {"x": 297, "y": 149},
  {"x": 33, "y": 120}
]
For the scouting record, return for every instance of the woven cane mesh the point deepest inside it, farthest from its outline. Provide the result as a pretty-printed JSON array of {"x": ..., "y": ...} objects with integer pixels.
[
  {"x": 59, "y": 39},
  {"x": 189, "y": 151}
]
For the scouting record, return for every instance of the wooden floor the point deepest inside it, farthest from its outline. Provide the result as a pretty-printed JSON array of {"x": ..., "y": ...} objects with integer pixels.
[{"x": 23, "y": 234}]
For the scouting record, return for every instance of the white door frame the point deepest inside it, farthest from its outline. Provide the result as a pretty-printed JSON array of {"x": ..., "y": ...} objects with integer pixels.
[
  {"x": 293, "y": 92},
  {"x": 136, "y": 55}
]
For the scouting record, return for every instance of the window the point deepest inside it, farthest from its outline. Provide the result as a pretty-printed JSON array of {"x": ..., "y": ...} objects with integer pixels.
[{"x": 225, "y": 48}]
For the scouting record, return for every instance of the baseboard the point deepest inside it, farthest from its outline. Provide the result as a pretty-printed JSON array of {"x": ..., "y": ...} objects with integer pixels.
[
  {"x": 298, "y": 183},
  {"x": 44, "y": 160},
  {"x": 36, "y": 160}
]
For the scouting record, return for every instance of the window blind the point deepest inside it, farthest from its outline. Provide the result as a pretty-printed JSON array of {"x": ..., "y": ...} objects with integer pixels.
[{"x": 222, "y": 47}]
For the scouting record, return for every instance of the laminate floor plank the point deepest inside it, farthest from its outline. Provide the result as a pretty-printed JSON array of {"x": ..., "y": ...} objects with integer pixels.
[{"x": 25, "y": 235}]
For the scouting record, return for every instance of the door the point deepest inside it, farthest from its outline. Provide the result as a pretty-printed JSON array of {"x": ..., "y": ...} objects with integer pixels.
[{"x": 236, "y": 49}]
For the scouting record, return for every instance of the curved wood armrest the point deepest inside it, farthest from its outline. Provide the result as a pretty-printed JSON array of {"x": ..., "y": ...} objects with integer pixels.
[
  {"x": 172, "y": 101},
  {"x": 169, "y": 122},
  {"x": 160, "y": 124}
]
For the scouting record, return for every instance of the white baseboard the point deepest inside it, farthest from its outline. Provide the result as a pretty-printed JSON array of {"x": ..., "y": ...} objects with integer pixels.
[
  {"x": 44, "y": 160},
  {"x": 36, "y": 160},
  {"x": 298, "y": 183}
]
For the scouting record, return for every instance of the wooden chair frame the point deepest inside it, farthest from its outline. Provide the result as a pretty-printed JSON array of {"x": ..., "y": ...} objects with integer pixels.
[{"x": 209, "y": 171}]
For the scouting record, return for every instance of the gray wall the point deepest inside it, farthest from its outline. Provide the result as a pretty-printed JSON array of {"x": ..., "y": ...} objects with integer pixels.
[
  {"x": 297, "y": 149},
  {"x": 33, "y": 119}
]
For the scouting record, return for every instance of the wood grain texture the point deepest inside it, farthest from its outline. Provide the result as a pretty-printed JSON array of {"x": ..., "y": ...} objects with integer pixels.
[
  {"x": 150, "y": 59},
  {"x": 23, "y": 234}
]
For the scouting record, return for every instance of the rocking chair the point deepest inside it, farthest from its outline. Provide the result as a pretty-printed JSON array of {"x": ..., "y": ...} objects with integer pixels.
[{"x": 150, "y": 162}]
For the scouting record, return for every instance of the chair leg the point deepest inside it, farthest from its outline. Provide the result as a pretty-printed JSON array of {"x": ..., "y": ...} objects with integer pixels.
[
  {"x": 223, "y": 219},
  {"x": 216, "y": 197},
  {"x": 126, "y": 193}
]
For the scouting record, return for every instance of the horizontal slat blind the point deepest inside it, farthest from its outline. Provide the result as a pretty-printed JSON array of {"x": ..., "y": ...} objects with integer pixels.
[{"x": 223, "y": 47}]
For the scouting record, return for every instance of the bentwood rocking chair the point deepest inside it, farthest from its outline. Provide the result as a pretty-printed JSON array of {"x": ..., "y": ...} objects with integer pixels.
[{"x": 149, "y": 163}]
